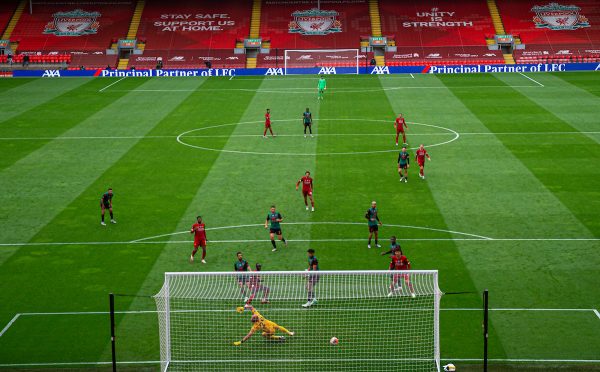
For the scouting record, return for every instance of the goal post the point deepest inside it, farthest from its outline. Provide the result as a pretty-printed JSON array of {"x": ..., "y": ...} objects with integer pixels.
[
  {"x": 346, "y": 61},
  {"x": 382, "y": 320}
]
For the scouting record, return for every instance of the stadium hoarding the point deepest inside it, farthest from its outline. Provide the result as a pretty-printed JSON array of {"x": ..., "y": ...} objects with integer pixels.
[{"x": 373, "y": 70}]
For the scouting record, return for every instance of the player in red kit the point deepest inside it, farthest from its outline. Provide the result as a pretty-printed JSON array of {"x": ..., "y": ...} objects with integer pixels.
[
  {"x": 268, "y": 124},
  {"x": 420, "y": 156},
  {"x": 400, "y": 124},
  {"x": 400, "y": 262},
  {"x": 307, "y": 190},
  {"x": 199, "y": 231}
]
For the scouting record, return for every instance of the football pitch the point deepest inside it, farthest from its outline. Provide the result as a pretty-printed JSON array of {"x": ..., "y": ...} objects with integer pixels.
[{"x": 510, "y": 203}]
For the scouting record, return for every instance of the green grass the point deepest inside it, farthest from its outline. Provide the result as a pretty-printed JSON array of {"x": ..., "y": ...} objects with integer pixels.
[{"x": 510, "y": 176}]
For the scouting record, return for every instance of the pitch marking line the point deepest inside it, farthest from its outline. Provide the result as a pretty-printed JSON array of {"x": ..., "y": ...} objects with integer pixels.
[
  {"x": 319, "y": 223},
  {"x": 311, "y": 90},
  {"x": 241, "y": 241},
  {"x": 110, "y": 85},
  {"x": 141, "y": 362},
  {"x": 70, "y": 313},
  {"x": 597, "y": 313},
  {"x": 535, "y": 81},
  {"x": 296, "y": 135},
  {"x": 185, "y": 134},
  {"x": 12, "y": 321}
]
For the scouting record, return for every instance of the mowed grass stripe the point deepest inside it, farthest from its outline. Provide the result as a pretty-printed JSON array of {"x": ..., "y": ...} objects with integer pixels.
[
  {"x": 239, "y": 190},
  {"x": 466, "y": 188},
  {"x": 62, "y": 171},
  {"x": 352, "y": 182},
  {"x": 562, "y": 164},
  {"x": 51, "y": 119},
  {"x": 87, "y": 275},
  {"x": 578, "y": 165},
  {"x": 206, "y": 195},
  {"x": 538, "y": 274},
  {"x": 7, "y": 84},
  {"x": 558, "y": 96},
  {"x": 589, "y": 81},
  {"x": 23, "y": 97}
]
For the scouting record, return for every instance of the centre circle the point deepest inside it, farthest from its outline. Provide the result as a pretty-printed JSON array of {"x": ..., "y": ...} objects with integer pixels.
[{"x": 190, "y": 133}]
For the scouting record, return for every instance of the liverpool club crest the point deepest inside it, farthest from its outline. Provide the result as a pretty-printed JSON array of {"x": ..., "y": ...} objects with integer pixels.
[
  {"x": 315, "y": 22},
  {"x": 75, "y": 23},
  {"x": 559, "y": 17}
]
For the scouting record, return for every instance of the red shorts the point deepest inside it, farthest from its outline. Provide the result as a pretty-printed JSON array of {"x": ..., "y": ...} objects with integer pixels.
[
  {"x": 307, "y": 192},
  {"x": 399, "y": 130},
  {"x": 200, "y": 243},
  {"x": 421, "y": 162},
  {"x": 267, "y": 125}
]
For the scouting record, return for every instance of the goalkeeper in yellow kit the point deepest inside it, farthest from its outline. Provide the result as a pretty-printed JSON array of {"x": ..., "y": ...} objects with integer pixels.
[{"x": 267, "y": 327}]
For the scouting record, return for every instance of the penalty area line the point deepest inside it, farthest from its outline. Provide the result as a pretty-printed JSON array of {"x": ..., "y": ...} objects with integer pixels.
[
  {"x": 535, "y": 81},
  {"x": 110, "y": 85},
  {"x": 14, "y": 319}
]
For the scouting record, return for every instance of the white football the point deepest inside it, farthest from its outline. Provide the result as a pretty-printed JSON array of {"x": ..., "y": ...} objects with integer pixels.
[{"x": 334, "y": 341}]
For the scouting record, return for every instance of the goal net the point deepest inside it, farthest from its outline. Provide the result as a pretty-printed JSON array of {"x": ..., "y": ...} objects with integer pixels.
[
  {"x": 346, "y": 61},
  {"x": 382, "y": 321}
]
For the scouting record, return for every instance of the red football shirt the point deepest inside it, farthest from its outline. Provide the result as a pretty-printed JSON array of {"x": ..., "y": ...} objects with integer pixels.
[
  {"x": 199, "y": 231},
  {"x": 421, "y": 154},
  {"x": 400, "y": 123},
  {"x": 306, "y": 183},
  {"x": 267, "y": 118},
  {"x": 399, "y": 263}
]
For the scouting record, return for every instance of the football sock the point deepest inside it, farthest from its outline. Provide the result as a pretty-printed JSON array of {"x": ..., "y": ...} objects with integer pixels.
[
  {"x": 203, "y": 253},
  {"x": 310, "y": 129},
  {"x": 102, "y": 218},
  {"x": 376, "y": 242},
  {"x": 194, "y": 252},
  {"x": 283, "y": 239},
  {"x": 111, "y": 215},
  {"x": 273, "y": 243}
]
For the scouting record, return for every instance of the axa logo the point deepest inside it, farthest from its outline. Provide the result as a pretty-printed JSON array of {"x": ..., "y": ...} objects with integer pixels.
[
  {"x": 51, "y": 73},
  {"x": 274, "y": 71},
  {"x": 380, "y": 70},
  {"x": 327, "y": 71}
]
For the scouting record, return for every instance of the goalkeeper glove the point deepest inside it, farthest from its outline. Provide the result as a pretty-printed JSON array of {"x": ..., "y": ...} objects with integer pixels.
[
  {"x": 237, "y": 343},
  {"x": 240, "y": 309}
]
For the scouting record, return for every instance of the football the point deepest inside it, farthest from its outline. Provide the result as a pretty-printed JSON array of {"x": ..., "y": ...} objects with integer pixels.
[{"x": 334, "y": 341}]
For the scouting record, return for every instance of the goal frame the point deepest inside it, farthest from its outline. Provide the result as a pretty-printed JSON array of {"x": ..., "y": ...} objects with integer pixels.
[
  {"x": 285, "y": 57},
  {"x": 434, "y": 273}
]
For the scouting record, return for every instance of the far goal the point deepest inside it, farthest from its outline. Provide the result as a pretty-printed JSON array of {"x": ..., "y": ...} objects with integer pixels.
[
  {"x": 359, "y": 320},
  {"x": 342, "y": 61}
]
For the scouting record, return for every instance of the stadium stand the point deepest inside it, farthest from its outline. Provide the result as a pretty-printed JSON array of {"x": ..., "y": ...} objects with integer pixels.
[
  {"x": 60, "y": 27},
  {"x": 351, "y": 19},
  {"x": 409, "y": 56},
  {"x": 518, "y": 18},
  {"x": 427, "y": 23},
  {"x": 219, "y": 58},
  {"x": 189, "y": 24},
  {"x": 7, "y": 9},
  {"x": 547, "y": 54}
]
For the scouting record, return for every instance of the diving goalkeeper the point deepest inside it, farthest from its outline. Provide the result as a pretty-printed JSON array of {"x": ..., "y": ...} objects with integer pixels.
[{"x": 267, "y": 327}]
